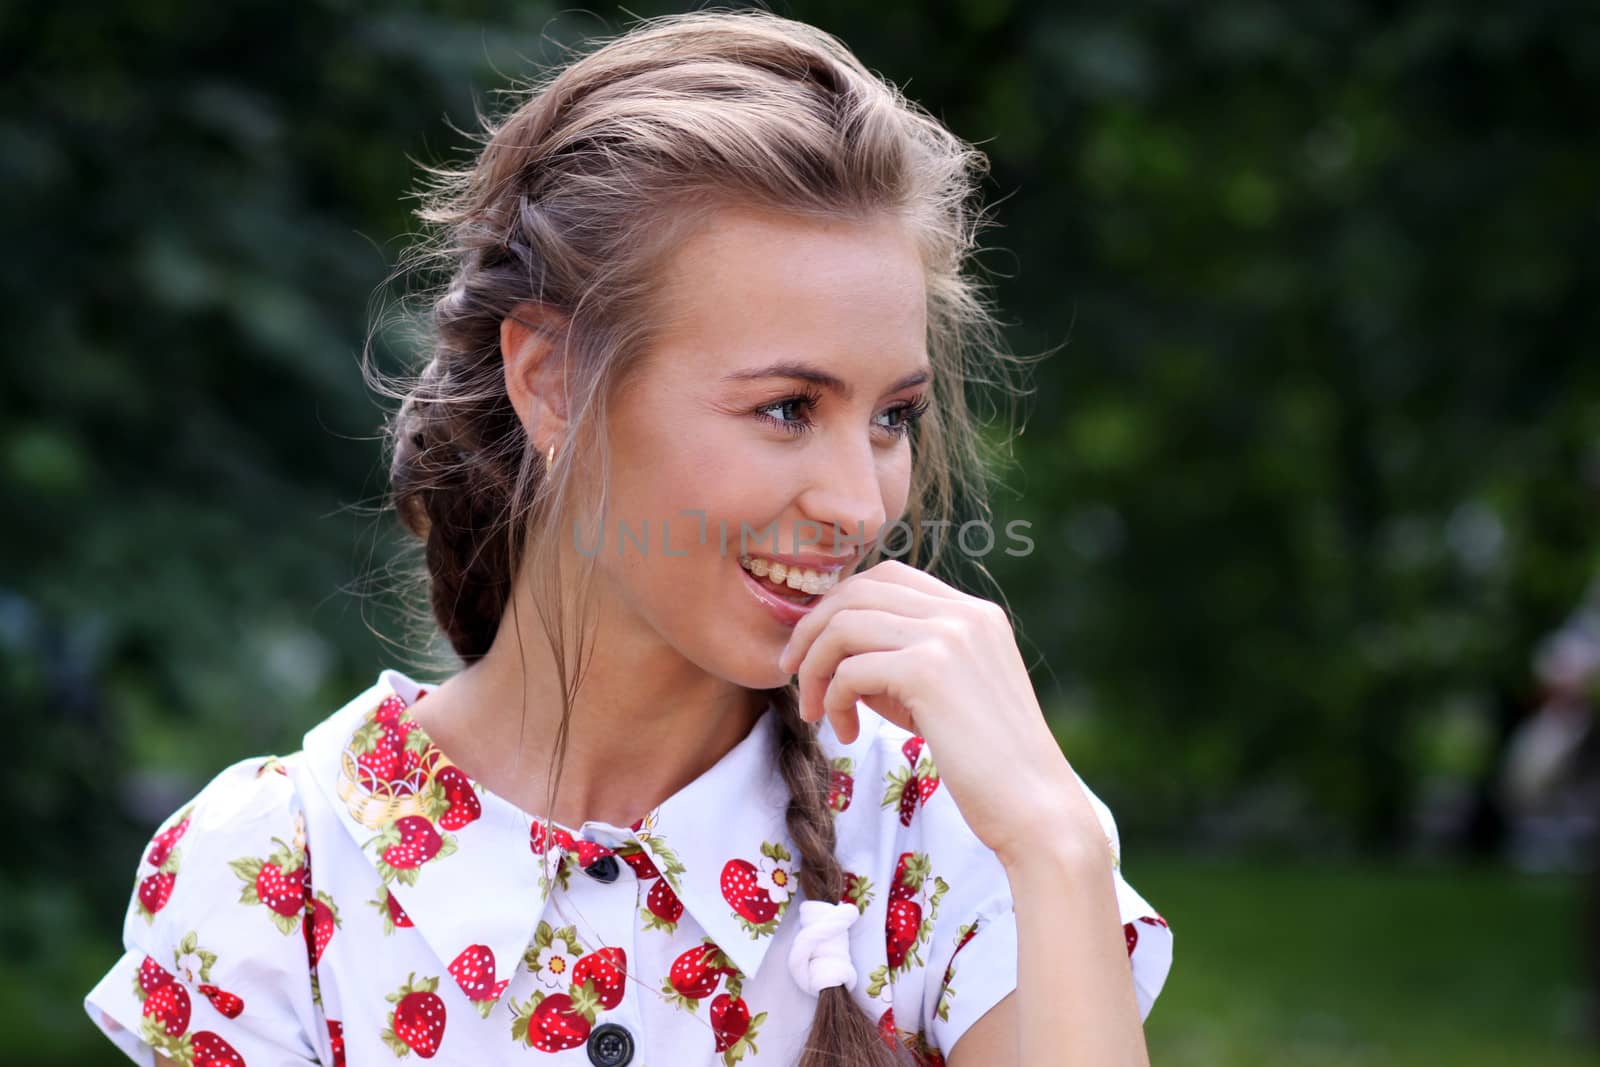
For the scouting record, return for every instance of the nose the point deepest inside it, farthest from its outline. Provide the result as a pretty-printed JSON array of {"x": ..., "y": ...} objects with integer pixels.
[{"x": 844, "y": 495}]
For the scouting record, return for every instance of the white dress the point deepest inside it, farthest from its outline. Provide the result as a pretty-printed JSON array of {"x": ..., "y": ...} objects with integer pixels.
[{"x": 364, "y": 900}]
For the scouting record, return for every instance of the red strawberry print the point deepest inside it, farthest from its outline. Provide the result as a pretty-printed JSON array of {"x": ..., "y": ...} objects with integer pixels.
[
  {"x": 474, "y": 972},
  {"x": 904, "y": 927},
  {"x": 168, "y": 1005},
  {"x": 551, "y": 1022},
  {"x": 695, "y": 974},
  {"x": 394, "y": 916},
  {"x": 321, "y": 917},
  {"x": 886, "y": 1028},
  {"x": 336, "y": 1041},
  {"x": 379, "y": 761},
  {"x": 388, "y": 750},
  {"x": 731, "y": 1024},
  {"x": 152, "y": 976},
  {"x": 730, "y": 1019},
  {"x": 282, "y": 891},
  {"x": 909, "y": 873},
  {"x": 911, "y": 790},
  {"x": 910, "y": 787},
  {"x": 417, "y": 1022},
  {"x": 389, "y": 711},
  {"x": 155, "y": 889},
  {"x": 553, "y": 848},
  {"x": 605, "y": 970},
  {"x": 154, "y": 892},
  {"x": 540, "y": 842},
  {"x": 278, "y": 881},
  {"x": 227, "y": 1003},
  {"x": 759, "y": 896},
  {"x": 662, "y": 908},
  {"x": 901, "y": 926},
  {"x": 857, "y": 890},
  {"x": 161, "y": 844},
  {"x": 636, "y": 858},
  {"x": 841, "y": 783},
  {"x": 406, "y": 845},
  {"x": 1131, "y": 932},
  {"x": 589, "y": 851},
  {"x": 206, "y": 1049},
  {"x": 455, "y": 796}
]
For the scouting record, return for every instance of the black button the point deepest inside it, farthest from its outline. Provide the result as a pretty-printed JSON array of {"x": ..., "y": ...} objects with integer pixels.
[
  {"x": 610, "y": 1045},
  {"x": 604, "y": 869}
]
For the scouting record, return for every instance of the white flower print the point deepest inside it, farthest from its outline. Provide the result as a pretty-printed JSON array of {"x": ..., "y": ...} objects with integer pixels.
[
  {"x": 776, "y": 878},
  {"x": 555, "y": 967},
  {"x": 189, "y": 965}
]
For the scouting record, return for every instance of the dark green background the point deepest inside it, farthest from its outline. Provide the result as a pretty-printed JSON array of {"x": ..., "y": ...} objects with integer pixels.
[{"x": 1309, "y": 474}]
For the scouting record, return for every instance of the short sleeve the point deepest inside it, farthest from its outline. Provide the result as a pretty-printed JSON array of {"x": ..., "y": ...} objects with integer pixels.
[
  {"x": 972, "y": 952},
  {"x": 1148, "y": 935},
  {"x": 215, "y": 966},
  {"x": 972, "y": 962}
]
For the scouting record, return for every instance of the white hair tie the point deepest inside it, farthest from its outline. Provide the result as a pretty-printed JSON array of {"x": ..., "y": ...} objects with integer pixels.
[{"x": 819, "y": 956}]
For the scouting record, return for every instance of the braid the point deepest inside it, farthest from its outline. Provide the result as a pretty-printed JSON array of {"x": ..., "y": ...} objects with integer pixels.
[
  {"x": 842, "y": 1034},
  {"x": 453, "y": 492}
]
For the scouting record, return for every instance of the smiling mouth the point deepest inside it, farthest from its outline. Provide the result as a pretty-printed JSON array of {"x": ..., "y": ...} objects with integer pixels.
[{"x": 796, "y": 585}]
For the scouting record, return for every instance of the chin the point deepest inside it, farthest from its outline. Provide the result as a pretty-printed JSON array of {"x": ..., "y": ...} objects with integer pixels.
[{"x": 758, "y": 672}]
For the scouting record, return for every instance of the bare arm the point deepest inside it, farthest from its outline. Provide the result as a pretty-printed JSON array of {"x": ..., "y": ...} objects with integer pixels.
[{"x": 1074, "y": 1005}]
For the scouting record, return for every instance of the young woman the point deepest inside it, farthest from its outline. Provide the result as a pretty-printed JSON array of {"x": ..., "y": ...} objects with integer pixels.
[{"x": 714, "y": 781}]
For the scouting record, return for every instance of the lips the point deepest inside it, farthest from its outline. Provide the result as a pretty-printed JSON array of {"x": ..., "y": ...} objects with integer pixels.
[
  {"x": 785, "y": 607},
  {"x": 798, "y": 596}
]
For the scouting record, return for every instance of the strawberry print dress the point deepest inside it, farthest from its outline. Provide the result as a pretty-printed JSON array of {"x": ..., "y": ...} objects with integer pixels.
[{"x": 363, "y": 900}]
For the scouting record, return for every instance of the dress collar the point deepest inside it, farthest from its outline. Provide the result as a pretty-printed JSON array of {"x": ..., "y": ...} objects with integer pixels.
[{"x": 460, "y": 863}]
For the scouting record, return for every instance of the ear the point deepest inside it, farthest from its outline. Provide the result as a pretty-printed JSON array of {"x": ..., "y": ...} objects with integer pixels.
[{"x": 531, "y": 346}]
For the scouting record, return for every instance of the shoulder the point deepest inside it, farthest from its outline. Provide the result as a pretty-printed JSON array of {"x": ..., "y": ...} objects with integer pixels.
[
  {"x": 213, "y": 936},
  {"x": 252, "y": 806}
]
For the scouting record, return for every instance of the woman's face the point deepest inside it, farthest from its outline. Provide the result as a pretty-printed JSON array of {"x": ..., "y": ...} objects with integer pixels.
[{"x": 720, "y": 429}]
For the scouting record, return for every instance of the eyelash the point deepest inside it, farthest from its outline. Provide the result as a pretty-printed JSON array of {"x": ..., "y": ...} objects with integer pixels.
[{"x": 910, "y": 412}]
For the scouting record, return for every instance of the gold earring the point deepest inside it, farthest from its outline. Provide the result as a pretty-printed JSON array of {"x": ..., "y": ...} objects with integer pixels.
[{"x": 550, "y": 454}]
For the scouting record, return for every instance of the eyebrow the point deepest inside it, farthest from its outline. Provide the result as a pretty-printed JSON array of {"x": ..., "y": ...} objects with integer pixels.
[{"x": 807, "y": 373}]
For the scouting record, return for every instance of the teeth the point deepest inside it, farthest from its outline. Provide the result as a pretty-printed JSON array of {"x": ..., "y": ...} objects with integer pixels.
[{"x": 799, "y": 578}]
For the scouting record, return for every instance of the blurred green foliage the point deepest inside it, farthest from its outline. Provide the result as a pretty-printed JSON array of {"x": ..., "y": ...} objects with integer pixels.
[{"x": 1307, "y": 475}]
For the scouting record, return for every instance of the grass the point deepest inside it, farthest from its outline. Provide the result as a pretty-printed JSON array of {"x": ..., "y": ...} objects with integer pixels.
[{"x": 1365, "y": 966}]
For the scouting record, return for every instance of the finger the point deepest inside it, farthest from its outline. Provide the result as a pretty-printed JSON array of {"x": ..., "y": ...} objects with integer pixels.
[
  {"x": 894, "y": 570},
  {"x": 890, "y": 595},
  {"x": 880, "y": 675},
  {"x": 854, "y": 630}
]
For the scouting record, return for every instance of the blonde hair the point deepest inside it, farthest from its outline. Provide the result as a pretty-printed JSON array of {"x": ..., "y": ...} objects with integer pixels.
[{"x": 581, "y": 189}]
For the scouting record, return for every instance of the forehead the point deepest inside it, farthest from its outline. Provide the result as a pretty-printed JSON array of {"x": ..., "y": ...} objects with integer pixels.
[{"x": 749, "y": 286}]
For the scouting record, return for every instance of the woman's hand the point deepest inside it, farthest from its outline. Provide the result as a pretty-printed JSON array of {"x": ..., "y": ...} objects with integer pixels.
[{"x": 944, "y": 665}]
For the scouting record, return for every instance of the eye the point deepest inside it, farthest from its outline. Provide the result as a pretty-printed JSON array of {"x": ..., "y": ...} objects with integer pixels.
[
  {"x": 908, "y": 413},
  {"x": 807, "y": 400}
]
